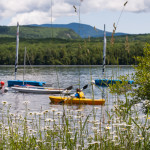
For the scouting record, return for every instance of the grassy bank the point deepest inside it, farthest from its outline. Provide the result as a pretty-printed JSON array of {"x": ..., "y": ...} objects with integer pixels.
[{"x": 121, "y": 128}]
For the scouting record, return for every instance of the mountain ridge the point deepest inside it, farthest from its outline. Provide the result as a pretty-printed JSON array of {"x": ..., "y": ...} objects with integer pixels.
[
  {"x": 62, "y": 31},
  {"x": 83, "y": 30}
]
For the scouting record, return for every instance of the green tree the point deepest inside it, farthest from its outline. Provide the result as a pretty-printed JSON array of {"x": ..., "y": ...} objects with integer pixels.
[
  {"x": 140, "y": 90},
  {"x": 142, "y": 75}
]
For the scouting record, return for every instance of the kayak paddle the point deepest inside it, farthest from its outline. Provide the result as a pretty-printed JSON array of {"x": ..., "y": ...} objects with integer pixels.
[{"x": 69, "y": 88}]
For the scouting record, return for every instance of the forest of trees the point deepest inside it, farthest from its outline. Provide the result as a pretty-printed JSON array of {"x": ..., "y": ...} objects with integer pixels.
[{"x": 73, "y": 52}]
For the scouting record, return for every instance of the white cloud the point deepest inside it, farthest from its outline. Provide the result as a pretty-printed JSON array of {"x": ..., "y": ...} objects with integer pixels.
[
  {"x": 62, "y": 9},
  {"x": 39, "y": 11},
  {"x": 34, "y": 17}
]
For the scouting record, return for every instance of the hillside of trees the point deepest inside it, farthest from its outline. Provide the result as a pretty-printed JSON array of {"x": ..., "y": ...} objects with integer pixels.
[
  {"x": 38, "y": 32},
  {"x": 120, "y": 51}
]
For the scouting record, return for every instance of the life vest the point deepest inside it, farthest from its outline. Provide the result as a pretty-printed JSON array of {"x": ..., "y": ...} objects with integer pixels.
[{"x": 81, "y": 94}]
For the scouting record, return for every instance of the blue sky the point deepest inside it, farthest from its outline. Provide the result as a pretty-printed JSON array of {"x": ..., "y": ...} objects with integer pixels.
[{"x": 134, "y": 17}]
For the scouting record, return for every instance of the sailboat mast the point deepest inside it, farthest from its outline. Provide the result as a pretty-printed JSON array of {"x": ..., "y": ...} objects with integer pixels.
[
  {"x": 104, "y": 51},
  {"x": 25, "y": 51},
  {"x": 17, "y": 47}
]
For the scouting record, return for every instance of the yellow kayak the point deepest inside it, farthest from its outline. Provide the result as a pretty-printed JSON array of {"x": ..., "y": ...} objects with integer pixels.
[{"x": 70, "y": 100}]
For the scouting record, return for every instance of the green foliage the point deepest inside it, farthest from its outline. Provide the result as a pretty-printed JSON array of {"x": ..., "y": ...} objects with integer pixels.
[
  {"x": 142, "y": 75},
  {"x": 52, "y": 51},
  {"x": 38, "y": 32},
  {"x": 140, "y": 90},
  {"x": 121, "y": 88},
  {"x": 74, "y": 129}
]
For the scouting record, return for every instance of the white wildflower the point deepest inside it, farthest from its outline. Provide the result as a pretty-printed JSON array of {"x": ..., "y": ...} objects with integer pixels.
[
  {"x": 26, "y": 102},
  {"x": 4, "y": 102}
]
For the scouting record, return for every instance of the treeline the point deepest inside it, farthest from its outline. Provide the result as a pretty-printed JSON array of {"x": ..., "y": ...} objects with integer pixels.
[{"x": 73, "y": 52}]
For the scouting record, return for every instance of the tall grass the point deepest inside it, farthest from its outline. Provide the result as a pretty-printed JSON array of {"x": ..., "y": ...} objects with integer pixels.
[{"x": 121, "y": 128}]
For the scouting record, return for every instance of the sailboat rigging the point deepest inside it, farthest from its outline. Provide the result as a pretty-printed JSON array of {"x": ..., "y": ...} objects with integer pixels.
[
  {"x": 31, "y": 86},
  {"x": 104, "y": 51},
  {"x": 20, "y": 82},
  {"x": 24, "y": 64},
  {"x": 17, "y": 47},
  {"x": 104, "y": 81}
]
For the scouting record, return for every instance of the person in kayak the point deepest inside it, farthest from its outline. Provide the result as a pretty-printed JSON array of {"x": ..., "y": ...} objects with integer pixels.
[{"x": 79, "y": 93}]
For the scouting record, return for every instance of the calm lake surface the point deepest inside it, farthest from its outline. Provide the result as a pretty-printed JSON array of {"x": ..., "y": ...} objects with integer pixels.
[{"x": 63, "y": 77}]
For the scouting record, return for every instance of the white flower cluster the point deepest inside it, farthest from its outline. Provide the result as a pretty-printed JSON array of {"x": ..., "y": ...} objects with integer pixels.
[{"x": 147, "y": 103}]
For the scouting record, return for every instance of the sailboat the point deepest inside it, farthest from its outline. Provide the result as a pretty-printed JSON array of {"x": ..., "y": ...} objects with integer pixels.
[
  {"x": 106, "y": 82},
  {"x": 20, "y": 82},
  {"x": 29, "y": 88}
]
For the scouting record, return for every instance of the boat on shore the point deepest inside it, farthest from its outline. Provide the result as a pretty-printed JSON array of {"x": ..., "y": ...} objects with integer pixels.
[{"x": 73, "y": 100}]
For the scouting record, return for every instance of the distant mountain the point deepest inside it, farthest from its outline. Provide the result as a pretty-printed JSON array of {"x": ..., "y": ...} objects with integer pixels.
[
  {"x": 37, "y": 32},
  {"x": 62, "y": 31},
  {"x": 83, "y": 30}
]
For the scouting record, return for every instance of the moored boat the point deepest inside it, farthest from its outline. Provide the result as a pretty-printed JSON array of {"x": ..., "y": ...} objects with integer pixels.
[
  {"x": 73, "y": 100},
  {"x": 20, "y": 82},
  {"x": 41, "y": 90},
  {"x": 107, "y": 82}
]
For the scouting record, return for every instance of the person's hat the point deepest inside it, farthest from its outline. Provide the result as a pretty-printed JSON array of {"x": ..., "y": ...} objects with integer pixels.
[{"x": 78, "y": 90}]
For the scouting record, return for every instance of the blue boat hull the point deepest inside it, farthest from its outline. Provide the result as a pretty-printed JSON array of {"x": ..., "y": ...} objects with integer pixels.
[
  {"x": 20, "y": 82},
  {"x": 106, "y": 82}
]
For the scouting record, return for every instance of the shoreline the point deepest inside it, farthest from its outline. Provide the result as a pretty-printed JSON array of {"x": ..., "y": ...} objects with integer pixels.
[{"x": 69, "y": 65}]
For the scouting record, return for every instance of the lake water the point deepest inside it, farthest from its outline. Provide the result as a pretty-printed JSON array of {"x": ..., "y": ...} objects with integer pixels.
[{"x": 63, "y": 77}]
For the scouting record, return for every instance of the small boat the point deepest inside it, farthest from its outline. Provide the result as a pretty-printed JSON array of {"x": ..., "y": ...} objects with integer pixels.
[
  {"x": 107, "y": 82},
  {"x": 21, "y": 82},
  {"x": 40, "y": 90},
  {"x": 73, "y": 100}
]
